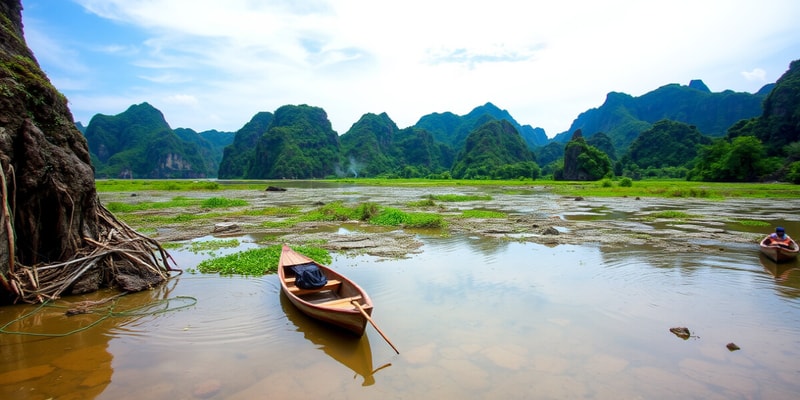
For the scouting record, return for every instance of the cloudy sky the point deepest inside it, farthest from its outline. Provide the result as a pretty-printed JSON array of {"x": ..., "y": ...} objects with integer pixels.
[{"x": 211, "y": 64}]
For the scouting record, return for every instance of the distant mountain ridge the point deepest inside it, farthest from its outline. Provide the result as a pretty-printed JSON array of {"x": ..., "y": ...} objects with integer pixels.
[
  {"x": 453, "y": 130},
  {"x": 301, "y": 144},
  {"x": 623, "y": 117}
]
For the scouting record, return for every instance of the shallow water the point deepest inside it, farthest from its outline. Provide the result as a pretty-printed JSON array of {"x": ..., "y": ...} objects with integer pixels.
[{"x": 473, "y": 317}]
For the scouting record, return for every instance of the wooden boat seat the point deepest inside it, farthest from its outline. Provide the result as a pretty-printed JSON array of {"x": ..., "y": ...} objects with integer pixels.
[
  {"x": 331, "y": 285},
  {"x": 344, "y": 302}
]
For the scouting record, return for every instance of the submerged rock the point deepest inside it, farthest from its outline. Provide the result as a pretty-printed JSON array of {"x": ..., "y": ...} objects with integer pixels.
[{"x": 681, "y": 332}]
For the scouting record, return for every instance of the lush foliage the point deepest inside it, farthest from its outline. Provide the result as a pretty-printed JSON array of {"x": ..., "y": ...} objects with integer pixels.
[
  {"x": 743, "y": 160},
  {"x": 666, "y": 144},
  {"x": 583, "y": 162}
]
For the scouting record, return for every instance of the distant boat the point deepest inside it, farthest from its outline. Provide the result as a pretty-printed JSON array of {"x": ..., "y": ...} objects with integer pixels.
[
  {"x": 337, "y": 302},
  {"x": 778, "y": 253}
]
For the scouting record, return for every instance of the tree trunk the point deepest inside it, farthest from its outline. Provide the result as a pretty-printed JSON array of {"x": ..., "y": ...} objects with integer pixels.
[{"x": 55, "y": 236}]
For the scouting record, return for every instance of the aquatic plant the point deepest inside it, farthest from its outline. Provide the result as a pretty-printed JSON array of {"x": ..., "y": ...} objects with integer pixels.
[{"x": 258, "y": 261}]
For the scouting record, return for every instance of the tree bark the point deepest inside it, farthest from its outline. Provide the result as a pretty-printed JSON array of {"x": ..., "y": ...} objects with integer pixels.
[{"x": 55, "y": 236}]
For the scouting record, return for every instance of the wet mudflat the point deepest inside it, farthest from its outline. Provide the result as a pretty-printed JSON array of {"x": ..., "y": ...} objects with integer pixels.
[{"x": 491, "y": 309}]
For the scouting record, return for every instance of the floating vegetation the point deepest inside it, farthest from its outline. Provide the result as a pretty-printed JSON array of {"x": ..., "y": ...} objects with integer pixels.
[
  {"x": 211, "y": 245},
  {"x": 256, "y": 262}
]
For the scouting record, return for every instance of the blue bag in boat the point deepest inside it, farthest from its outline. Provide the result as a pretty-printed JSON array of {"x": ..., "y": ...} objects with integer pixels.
[{"x": 309, "y": 276}]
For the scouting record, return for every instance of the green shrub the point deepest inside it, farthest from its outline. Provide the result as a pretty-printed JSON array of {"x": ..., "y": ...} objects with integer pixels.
[{"x": 221, "y": 202}]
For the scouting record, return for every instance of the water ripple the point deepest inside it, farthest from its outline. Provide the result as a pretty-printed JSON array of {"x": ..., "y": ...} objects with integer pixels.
[{"x": 228, "y": 310}]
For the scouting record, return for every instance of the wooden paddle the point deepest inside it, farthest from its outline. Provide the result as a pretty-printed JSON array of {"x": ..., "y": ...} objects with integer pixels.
[{"x": 364, "y": 313}]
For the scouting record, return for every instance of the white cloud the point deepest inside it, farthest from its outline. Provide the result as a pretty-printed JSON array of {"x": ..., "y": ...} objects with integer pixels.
[
  {"x": 182, "y": 100},
  {"x": 544, "y": 62},
  {"x": 757, "y": 75}
]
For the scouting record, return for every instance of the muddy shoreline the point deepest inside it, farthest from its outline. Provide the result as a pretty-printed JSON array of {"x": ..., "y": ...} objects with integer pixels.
[{"x": 533, "y": 215}]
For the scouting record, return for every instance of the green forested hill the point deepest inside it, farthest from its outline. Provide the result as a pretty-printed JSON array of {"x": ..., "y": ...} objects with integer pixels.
[
  {"x": 623, "y": 117},
  {"x": 140, "y": 143},
  {"x": 667, "y": 144},
  {"x": 368, "y": 147},
  {"x": 298, "y": 144},
  {"x": 211, "y": 144},
  {"x": 491, "y": 149},
  {"x": 452, "y": 129},
  {"x": 376, "y": 146},
  {"x": 240, "y": 155},
  {"x": 779, "y": 124}
]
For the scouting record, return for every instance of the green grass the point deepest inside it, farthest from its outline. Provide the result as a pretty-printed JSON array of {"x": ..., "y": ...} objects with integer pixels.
[
  {"x": 179, "y": 201},
  {"x": 221, "y": 202},
  {"x": 422, "y": 203},
  {"x": 643, "y": 188},
  {"x": 394, "y": 217},
  {"x": 452, "y": 198},
  {"x": 259, "y": 261},
  {"x": 134, "y": 185},
  {"x": 750, "y": 222},
  {"x": 672, "y": 214},
  {"x": 335, "y": 211},
  {"x": 678, "y": 189},
  {"x": 483, "y": 214},
  {"x": 274, "y": 211}
]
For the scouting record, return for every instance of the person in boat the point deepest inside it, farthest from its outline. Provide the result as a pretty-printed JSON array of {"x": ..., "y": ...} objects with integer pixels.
[{"x": 778, "y": 238}]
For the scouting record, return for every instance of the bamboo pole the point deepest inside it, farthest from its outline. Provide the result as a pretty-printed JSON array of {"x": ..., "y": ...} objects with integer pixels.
[{"x": 364, "y": 313}]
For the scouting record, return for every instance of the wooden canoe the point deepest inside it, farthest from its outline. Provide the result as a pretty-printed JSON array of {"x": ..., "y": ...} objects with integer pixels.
[
  {"x": 331, "y": 303},
  {"x": 779, "y": 253}
]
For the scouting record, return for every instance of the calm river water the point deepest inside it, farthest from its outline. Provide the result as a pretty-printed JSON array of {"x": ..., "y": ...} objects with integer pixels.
[{"x": 473, "y": 318}]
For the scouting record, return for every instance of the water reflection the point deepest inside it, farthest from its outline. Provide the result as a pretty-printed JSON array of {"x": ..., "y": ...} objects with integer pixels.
[{"x": 351, "y": 351}]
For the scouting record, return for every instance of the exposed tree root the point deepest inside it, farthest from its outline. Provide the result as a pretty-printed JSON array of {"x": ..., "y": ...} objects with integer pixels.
[{"x": 119, "y": 257}]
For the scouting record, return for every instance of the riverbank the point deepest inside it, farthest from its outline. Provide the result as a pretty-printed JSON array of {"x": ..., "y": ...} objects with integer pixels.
[{"x": 532, "y": 213}]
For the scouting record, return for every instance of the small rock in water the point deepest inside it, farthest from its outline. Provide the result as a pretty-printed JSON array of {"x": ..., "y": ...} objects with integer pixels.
[
  {"x": 550, "y": 231},
  {"x": 226, "y": 227},
  {"x": 681, "y": 332},
  {"x": 732, "y": 346}
]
